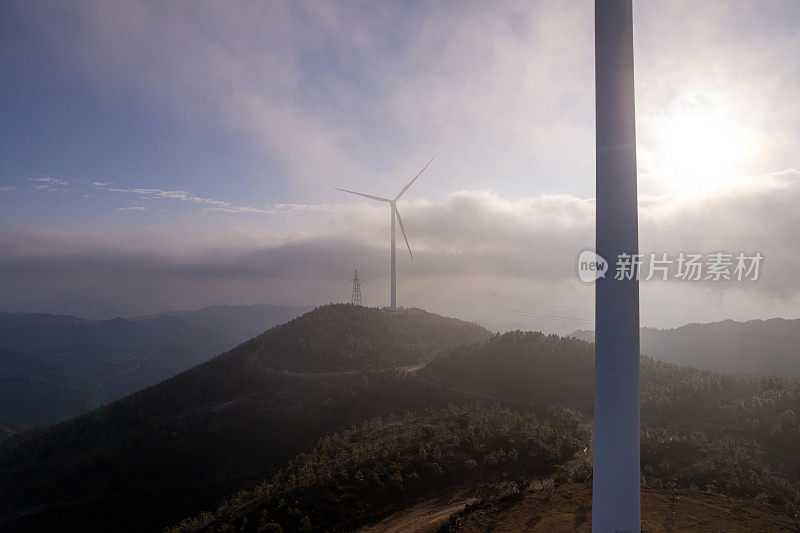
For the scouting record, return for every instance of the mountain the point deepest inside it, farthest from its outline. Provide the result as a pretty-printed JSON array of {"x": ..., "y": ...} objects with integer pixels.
[
  {"x": 177, "y": 448},
  {"x": 531, "y": 367},
  {"x": 766, "y": 347},
  {"x": 53, "y": 367},
  {"x": 352, "y": 477},
  {"x": 345, "y": 338},
  {"x": 700, "y": 429},
  {"x": 302, "y": 428},
  {"x": 738, "y": 434},
  {"x": 239, "y": 323}
]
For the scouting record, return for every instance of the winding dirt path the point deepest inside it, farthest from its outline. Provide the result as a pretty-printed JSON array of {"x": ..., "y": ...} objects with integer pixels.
[{"x": 425, "y": 516}]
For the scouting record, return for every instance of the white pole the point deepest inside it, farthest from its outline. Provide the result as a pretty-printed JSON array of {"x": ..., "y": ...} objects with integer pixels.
[
  {"x": 615, "y": 496},
  {"x": 394, "y": 265}
]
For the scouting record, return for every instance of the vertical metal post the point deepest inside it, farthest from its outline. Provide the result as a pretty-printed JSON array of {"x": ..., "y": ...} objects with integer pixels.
[
  {"x": 615, "y": 497},
  {"x": 394, "y": 264}
]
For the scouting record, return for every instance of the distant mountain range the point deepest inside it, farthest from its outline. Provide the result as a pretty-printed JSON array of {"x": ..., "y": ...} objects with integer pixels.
[
  {"x": 238, "y": 323},
  {"x": 766, "y": 347},
  {"x": 346, "y": 416},
  {"x": 53, "y": 367}
]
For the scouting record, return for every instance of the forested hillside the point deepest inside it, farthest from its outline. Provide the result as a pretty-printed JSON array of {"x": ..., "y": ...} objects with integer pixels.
[
  {"x": 730, "y": 435},
  {"x": 341, "y": 337},
  {"x": 527, "y": 366},
  {"x": 358, "y": 475},
  {"x": 236, "y": 423},
  {"x": 739, "y": 434},
  {"x": 177, "y": 448},
  {"x": 53, "y": 367}
]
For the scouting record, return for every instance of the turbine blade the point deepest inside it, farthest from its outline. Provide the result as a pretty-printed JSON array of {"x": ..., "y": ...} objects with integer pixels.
[
  {"x": 403, "y": 230},
  {"x": 365, "y": 195},
  {"x": 412, "y": 181}
]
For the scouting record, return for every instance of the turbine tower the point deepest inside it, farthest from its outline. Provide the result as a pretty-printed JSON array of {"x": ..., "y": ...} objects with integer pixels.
[
  {"x": 615, "y": 494},
  {"x": 395, "y": 214},
  {"x": 356, "y": 298}
]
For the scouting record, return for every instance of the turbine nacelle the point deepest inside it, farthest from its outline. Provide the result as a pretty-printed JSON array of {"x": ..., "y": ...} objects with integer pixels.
[{"x": 393, "y": 203}]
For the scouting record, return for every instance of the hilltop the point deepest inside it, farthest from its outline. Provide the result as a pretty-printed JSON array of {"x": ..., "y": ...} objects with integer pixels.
[
  {"x": 702, "y": 438},
  {"x": 176, "y": 448},
  {"x": 342, "y": 440},
  {"x": 342, "y": 337}
]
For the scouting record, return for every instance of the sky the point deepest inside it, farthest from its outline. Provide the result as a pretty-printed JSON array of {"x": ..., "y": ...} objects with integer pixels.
[{"x": 175, "y": 155}]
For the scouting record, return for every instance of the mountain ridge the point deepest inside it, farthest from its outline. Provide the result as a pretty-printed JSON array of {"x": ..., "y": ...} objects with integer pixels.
[
  {"x": 53, "y": 367},
  {"x": 206, "y": 438},
  {"x": 217, "y": 427},
  {"x": 762, "y": 347}
]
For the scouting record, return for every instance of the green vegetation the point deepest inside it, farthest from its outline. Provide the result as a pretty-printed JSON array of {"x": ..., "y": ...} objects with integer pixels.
[
  {"x": 739, "y": 435},
  {"x": 179, "y": 447},
  {"x": 176, "y": 449},
  {"x": 364, "y": 472},
  {"x": 342, "y": 337},
  {"x": 187, "y": 444},
  {"x": 736, "y": 434},
  {"x": 530, "y": 367}
]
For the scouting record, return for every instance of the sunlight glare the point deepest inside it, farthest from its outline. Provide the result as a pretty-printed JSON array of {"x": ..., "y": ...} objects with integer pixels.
[{"x": 701, "y": 148}]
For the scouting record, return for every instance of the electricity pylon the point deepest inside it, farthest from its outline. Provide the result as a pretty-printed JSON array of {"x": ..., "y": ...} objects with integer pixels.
[{"x": 356, "y": 298}]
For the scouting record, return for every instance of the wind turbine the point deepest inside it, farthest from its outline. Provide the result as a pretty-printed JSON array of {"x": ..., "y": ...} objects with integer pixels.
[
  {"x": 395, "y": 215},
  {"x": 616, "y": 478}
]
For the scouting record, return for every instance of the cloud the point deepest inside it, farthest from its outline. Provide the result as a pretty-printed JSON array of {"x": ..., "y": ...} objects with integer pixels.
[
  {"x": 237, "y": 209},
  {"x": 474, "y": 247},
  {"x": 276, "y": 209},
  {"x": 210, "y": 204},
  {"x": 363, "y": 94},
  {"x": 354, "y": 91},
  {"x": 733, "y": 58},
  {"x": 46, "y": 183},
  {"x": 48, "y": 180},
  {"x": 181, "y": 196},
  {"x": 161, "y": 194},
  {"x": 304, "y": 208},
  {"x": 359, "y": 96}
]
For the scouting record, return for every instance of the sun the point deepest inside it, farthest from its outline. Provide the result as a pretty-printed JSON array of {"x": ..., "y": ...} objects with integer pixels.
[{"x": 699, "y": 147}]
